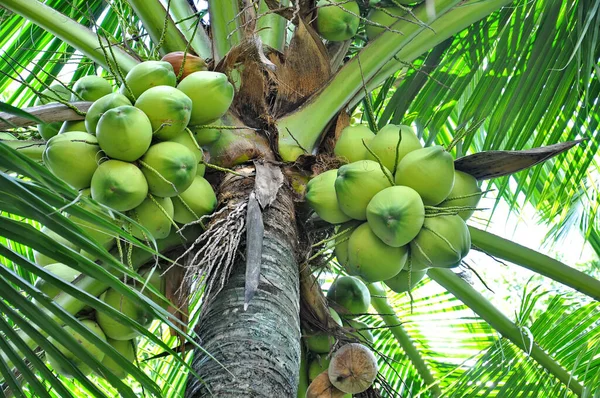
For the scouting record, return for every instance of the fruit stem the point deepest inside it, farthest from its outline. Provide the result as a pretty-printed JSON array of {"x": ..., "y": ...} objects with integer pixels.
[
  {"x": 225, "y": 26},
  {"x": 223, "y": 169},
  {"x": 397, "y": 151},
  {"x": 378, "y": 159},
  {"x": 332, "y": 237},
  {"x": 195, "y": 35},
  {"x": 271, "y": 27}
]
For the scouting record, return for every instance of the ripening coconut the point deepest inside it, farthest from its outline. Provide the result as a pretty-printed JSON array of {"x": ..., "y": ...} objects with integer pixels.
[
  {"x": 321, "y": 197},
  {"x": 124, "y": 133},
  {"x": 465, "y": 192},
  {"x": 351, "y": 294},
  {"x": 400, "y": 283},
  {"x": 169, "y": 167},
  {"x": 318, "y": 365},
  {"x": 42, "y": 259},
  {"x": 371, "y": 259},
  {"x": 443, "y": 242},
  {"x": 385, "y": 142},
  {"x": 396, "y": 215},
  {"x": 90, "y": 88},
  {"x": 100, "y": 106},
  {"x": 321, "y": 387},
  {"x": 349, "y": 147},
  {"x": 168, "y": 109},
  {"x": 51, "y": 95},
  {"x": 124, "y": 347},
  {"x": 119, "y": 185},
  {"x": 321, "y": 342},
  {"x": 146, "y": 75},
  {"x": 113, "y": 328},
  {"x": 353, "y": 368},
  {"x": 200, "y": 198},
  {"x": 337, "y": 20},
  {"x": 190, "y": 62},
  {"x": 211, "y": 95},
  {"x": 73, "y": 157},
  {"x": 357, "y": 183},
  {"x": 93, "y": 350},
  {"x": 152, "y": 217},
  {"x": 429, "y": 171},
  {"x": 73, "y": 125}
]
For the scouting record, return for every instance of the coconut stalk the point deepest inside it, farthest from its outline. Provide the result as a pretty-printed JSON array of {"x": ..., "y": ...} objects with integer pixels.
[
  {"x": 300, "y": 130},
  {"x": 225, "y": 27},
  {"x": 70, "y": 32},
  {"x": 388, "y": 316},
  {"x": 159, "y": 25},
  {"x": 486, "y": 310},
  {"x": 186, "y": 20},
  {"x": 508, "y": 250},
  {"x": 271, "y": 27}
]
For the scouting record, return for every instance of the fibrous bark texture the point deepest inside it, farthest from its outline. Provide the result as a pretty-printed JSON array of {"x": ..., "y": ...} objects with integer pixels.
[{"x": 260, "y": 347}]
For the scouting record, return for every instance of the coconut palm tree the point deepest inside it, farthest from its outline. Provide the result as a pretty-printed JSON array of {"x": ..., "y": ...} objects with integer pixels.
[{"x": 506, "y": 85}]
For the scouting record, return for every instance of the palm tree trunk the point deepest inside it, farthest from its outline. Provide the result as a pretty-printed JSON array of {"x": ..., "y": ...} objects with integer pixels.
[{"x": 259, "y": 348}]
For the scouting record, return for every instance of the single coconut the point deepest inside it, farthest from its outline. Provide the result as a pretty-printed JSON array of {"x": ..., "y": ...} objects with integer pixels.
[
  {"x": 113, "y": 328},
  {"x": 360, "y": 331},
  {"x": 124, "y": 133},
  {"x": 186, "y": 138},
  {"x": 429, "y": 171},
  {"x": 53, "y": 94},
  {"x": 396, "y": 215},
  {"x": 353, "y": 368},
  {"x": 146, "y": 75},
  {"x": 337, "y": 20},
  {"x": 73, "y": 157},
  {"x": 42, "y": 259},
  {"x": 156, "y": 215},
  {"x": 59, "y": 270},
  {"x": 119, "y": 185},
  {"x": 103, "y": 236},
  {"x": 100, "y": 106},
  {"x": 321, "y": 387},
  {"x": 443, "y": 242},
  {"x": 321, "y": 342},
  {"x": 93, "y": 350},
  {"x": 168, "y": 109},
  {"x": 351, "y": 294},
  {"x": 72, "y": 125},
  {"x": 371, "y": 259},
  {"x": 357, "y": 183},
  {"x": 124, "y": 347},
  {"x": 349, "y": 146},
  {"x": 90, "y": 88},
  {"x": 465, "y": 192},
  {"x": 191, "y": 63},
  {"x": 341, "y": 241},
  {"x": 206, "y": 136},
  {"x": 318, "y": 365},
  {"x": 385, "y": 142},
  {"x": 169, "y": 167},
  {"x": 405, "y": 280},
  {"x": 196, "y": 201},
  {"x": 378, "y": 19},
  {"x": 320, "y": 196},
  {"x": 211, "y": 95}
]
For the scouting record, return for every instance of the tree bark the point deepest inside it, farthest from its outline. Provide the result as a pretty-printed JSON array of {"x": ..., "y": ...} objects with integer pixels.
[{"x": 260, "y": 347}]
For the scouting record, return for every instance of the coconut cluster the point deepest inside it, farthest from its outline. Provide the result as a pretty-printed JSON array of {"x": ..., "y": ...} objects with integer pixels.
[{"x": 401, "y": 208}]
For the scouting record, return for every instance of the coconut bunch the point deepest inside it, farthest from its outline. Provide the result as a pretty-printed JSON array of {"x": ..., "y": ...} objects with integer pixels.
[
  {"x": 399, "y": 208},
  {"x": 139, "y": 149}
]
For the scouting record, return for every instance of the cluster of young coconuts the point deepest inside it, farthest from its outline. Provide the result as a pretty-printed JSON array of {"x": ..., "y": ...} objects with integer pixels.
[{"x": 138, "y": 152}]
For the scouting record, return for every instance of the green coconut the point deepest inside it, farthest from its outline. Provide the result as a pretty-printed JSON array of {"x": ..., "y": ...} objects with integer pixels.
[
  {"x": 337, "y": 20},
  {"x": 51, "y": 95},
  {"x": 72, "y": 125},
  {"x": 360, "y": 331},
  {"x": 379, "y": 18},
  {"x": 124, "y": 347},
  {"x": 211, "y": 95},
  {"x": 351, "y": 294},
  {"x": 396, "y": 215},
  {"x": 357, "y": 183},
  {"x": 429, "y": 171},
  {"x": 322, "y": 342},
  {"x": 124, "y": 133},
  {"x": 113, "y": 328},
  {"x": 465, "y": 192},
  {"x": 100, "y": 106},
  {"x": 168, "y": 109},
  {"x": 349, "y": 147},
  {"x": 73, "y": 157},
  {"x": 102, "y": 235},
  {"x": 186, "y": 138},
  {"x": 206, "y": 136},
  {"x": 385, "y": 142},
  {"x": 341, "y": 241},
  {"x": 42, "y": 259},
  {"x": 443, "y": 242},
  {"x": 119, "y": 185},
  {"x": 90, "y": 88},
  {"x": 60, "y": 270},
  {"x": 317, "y": 365},
  {"x": 320, "y": 196},
  {"x": 371, "y": 259},
  {"x": 93, "y": 350},
  {"x": 200, "y": 198},
  {"x": 169, "y": 168},
  {"x": 146, "y": 75},
  {"x": 400, "y": 283},
  {"x": 153, "y": 218}
]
